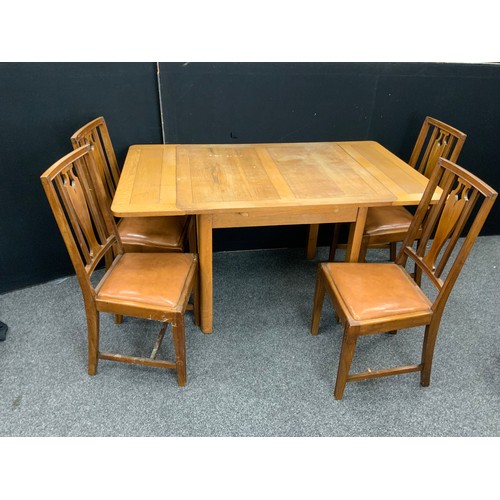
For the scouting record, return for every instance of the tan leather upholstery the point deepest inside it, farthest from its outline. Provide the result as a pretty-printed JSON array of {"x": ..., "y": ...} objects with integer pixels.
[
  {"x": 153, "y": 234},
  {"x": 376, "y": 290},
  {"x": 380, "y": 220},
  {"x": 149, "y": 280}
]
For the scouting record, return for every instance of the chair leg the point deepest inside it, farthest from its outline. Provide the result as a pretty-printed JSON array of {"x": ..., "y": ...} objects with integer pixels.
[
  {"x": 346, "y": 355},
  {"x": 417, "y": 275},
  {"x": 319, "y": 297},
  {"x": 93, "y": 341},
  {"x": 118, "y": 319},
  {"x": 335, "y": 242},
  {"x": 312, "y": 241},
  {"x": 393, "y": 251},
  {"x": 363, "y": 249},
  {"x": 192, "y": 240},
  {"x": 178, "y": 334},
  {"x": 196, "y": 300},
  {"x": 427, "y": 354}
]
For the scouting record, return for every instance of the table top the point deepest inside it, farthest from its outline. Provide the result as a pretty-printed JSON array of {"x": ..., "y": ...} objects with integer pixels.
[{"x": 175, "y": 179}]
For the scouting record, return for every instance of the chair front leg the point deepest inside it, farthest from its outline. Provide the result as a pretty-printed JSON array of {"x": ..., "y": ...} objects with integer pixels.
[
  {"x": 346, "y": 354},
  {"x": 179, "y": 338},
  {"x": 319, "y": 297}
]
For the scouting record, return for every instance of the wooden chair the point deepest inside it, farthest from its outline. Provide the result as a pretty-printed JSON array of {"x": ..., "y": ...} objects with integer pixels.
[
  {"x": 371, "y": 298},
  {"x": 138, "y": 234},
  {"x": 386, "y": 226},
  {"x": 154, "y": 286}
]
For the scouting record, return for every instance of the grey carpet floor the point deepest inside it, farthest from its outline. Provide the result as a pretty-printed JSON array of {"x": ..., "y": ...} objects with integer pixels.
[{"x": 260, "y": 373}]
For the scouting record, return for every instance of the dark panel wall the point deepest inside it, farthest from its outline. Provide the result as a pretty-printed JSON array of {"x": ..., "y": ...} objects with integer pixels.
[
  {"x": 43, "y": 104},
  {"x": 386, "y": 102},
  {"x": 265, "y": 102}
]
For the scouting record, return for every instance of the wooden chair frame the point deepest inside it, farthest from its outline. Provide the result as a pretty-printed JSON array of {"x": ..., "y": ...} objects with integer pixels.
[
  {"x": 97, "y": 135},
  {"x": 438, "y": 228},
  {"x": 435, "y": 140},
  {"x": 78, "y": 201}
]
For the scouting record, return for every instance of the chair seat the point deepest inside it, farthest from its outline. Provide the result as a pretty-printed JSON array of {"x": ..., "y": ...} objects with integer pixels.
[
  {"x": 381, "y": 220},
  {"x": 372, "y": 291},
  {"x": 150, "y": 234},
  {"x": 147, "y": 280}
]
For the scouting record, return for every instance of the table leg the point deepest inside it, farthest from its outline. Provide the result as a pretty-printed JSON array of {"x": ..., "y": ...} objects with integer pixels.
[
  {"x": 312, "y": 241},
  {"x": 356, "y": 230},
  {"x": 205, "y": 259}
]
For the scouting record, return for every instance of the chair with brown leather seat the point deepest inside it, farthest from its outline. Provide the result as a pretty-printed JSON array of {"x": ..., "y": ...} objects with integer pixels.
[
  {"x": 371, "y": 298},
  {"x": 138, "y": 234},
  {"x": 154, "y": 286},
  {"x": 386, "y": 226}
]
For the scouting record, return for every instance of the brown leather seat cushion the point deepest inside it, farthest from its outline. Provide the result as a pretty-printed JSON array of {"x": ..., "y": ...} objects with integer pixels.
[
  {"x": 380, "y": 220},
  {"x": 372, "y": 290},
  {"x": 155, "y": 279},
  {"x": 159, "y": 232}
]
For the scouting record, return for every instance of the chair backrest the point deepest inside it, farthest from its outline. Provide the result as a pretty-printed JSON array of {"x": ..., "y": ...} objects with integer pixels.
[
  {"x": 449, "y": 227},
  {"x": 76, "y": 197},
  {"x": 436, "y": 140},
  {"x": 96, "y": 134}
]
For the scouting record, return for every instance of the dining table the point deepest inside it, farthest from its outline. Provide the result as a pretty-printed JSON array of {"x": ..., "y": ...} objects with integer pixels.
[{"x": 265, "y": 184}]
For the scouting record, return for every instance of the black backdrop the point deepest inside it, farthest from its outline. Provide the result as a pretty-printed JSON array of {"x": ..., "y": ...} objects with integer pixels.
[{"x": 42, "y": 104}]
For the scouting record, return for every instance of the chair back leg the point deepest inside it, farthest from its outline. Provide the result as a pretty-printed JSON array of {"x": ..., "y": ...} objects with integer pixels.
[
  {"x": 312, "y": 241},
  {"x": 428, "y": 353},
  {"x": 335, "y": 242},
  {"x": 93, "y": 341}
]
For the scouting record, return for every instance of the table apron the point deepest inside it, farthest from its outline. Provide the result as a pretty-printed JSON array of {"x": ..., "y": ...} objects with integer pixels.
[{"x": 253, "y": 219}]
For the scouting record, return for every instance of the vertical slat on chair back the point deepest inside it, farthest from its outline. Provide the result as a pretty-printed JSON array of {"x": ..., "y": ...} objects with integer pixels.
[
  {"x": 436, "y": 140},
  {"x": 76, "y": 196},
  {"x": 96, "y": 134},
  {"x": 438, "y": 255}
]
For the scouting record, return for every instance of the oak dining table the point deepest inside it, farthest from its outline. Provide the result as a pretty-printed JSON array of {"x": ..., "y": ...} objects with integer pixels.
[{"x": 246, "y": 185}]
